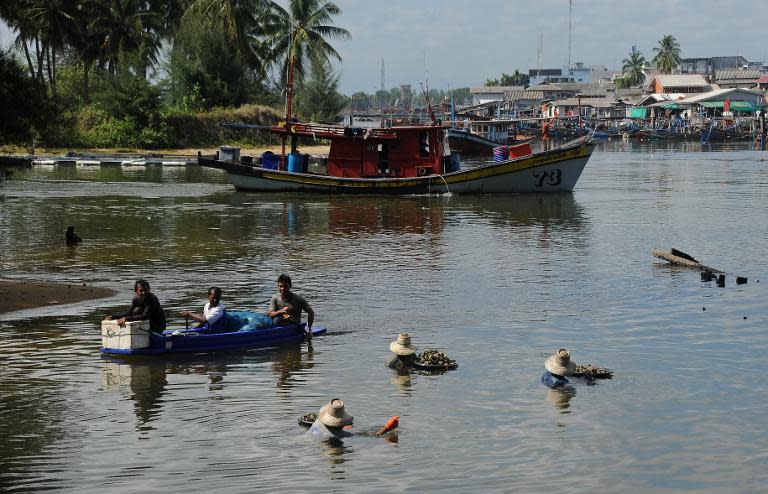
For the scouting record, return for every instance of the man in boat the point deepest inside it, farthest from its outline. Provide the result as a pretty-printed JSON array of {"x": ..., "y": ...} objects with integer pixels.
[
  {"x": 558, "y": 367},
  {"x": 333, "y": 421},
  {"x": 144, "y": 306},
  {"x": 404, "y": 353},
  {"x": 213, "y": 317},
  {"x": 285, "y": 306}
]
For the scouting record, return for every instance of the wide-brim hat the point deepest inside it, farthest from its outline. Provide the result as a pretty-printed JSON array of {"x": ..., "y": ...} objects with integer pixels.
[
  {"x": 560, "y": 363},
  {"x": 402, "y": 345},
  {"x": 334, "y": 415}
]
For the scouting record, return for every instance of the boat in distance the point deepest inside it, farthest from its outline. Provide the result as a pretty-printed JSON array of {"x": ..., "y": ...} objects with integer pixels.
[
  {"x": 401, "y": 160},
  {"x": 244, "y": 330}
]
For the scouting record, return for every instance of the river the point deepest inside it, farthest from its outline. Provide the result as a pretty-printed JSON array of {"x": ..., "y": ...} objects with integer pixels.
[{"x": 497, "y": 283}]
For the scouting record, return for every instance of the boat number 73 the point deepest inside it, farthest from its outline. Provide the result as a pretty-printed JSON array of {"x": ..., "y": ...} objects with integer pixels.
[{"x": 553, "y": 177}]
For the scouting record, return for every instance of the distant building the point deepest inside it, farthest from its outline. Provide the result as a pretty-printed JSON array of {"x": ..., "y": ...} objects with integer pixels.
[
  {"x": 578, "y": 72},
  {"x": 537, "y": 76},
  {"x": 706, "y": 65},
  {"x": 678, "y": 83},
  {"x": 730, "y": 78},
  {"x": 488, "y": 94}
]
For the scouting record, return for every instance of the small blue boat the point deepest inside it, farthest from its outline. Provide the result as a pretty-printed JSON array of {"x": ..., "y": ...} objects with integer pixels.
[{"x": 244, "y": 329}]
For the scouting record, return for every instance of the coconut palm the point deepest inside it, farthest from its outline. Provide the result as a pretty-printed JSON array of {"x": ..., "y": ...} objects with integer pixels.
[
  {"x": 125, "y": 27},
  {"x": 54, "y": 19},
  {"x": 239, "y": 16},
  {"x": 633, "y": 68},
  {"x": 299, "y": 35},
  {"x": 667, "y": 54}
]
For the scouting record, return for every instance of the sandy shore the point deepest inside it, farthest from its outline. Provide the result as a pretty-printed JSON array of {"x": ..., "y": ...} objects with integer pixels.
[{"x": 19, "y": 295}]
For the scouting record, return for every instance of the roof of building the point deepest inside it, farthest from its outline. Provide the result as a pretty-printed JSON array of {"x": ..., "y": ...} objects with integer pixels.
[
  {"x": 680, "y": 80},
  {"x": 591, "y": 102},
  {"x": 525, "y": 95},
  {"x": 763, "y": 79},
  {"x": 718, "y": 95},
  {"x": 738, "y": 75},
  {"x": 494, "y": 89}
]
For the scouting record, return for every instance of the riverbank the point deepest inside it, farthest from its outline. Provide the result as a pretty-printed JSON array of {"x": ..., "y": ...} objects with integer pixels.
[{"x": 20, "y": 295}]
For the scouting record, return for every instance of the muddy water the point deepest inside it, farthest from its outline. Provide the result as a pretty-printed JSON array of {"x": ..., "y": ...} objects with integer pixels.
[{"x": 497, "y": 283}]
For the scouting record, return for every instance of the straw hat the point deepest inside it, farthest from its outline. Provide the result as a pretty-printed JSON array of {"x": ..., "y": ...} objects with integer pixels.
[
  {"x": 560, "y": 363},
  {"x": 334, "y": 415},
  {"x": 402, "y": 346}
]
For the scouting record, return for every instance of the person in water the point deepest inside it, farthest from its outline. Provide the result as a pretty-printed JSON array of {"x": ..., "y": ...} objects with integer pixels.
[
  {"x": 285, "y": 306},
  {"x": 404, "y": 353},
  {"x": 333, "y": 421},
  {"x": 213, "y": 317},
  {"x": 144, "y": 306},
  {"x": 558, "y": 367},
  {"x": 71, "y": 238}
]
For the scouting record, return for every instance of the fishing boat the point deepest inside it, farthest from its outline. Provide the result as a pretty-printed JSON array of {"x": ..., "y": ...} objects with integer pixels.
[
  {"x": 479, "y": 138},
  {"x": 244, "y": 329},
  {"x": 402, "y": 160},
  {"x": 407, "y": 159}
]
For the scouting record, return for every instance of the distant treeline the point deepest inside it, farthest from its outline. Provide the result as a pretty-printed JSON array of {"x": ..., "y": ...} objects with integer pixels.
[{"x": 157, "y": 74}]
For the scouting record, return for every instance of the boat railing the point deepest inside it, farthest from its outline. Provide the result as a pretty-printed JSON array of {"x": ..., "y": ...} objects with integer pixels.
[{"x": 321, "y": 131}]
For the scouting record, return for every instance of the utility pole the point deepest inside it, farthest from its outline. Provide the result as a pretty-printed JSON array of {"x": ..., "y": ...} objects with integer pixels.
[
  {"x": 570, "y": 16},
  {"x": 382, "y": 73}
]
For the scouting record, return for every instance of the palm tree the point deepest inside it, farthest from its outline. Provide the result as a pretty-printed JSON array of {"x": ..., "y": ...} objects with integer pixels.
[
  {"x": 54, "y": 19},
  {"x": 667, "y": 54},
  {"x": 299, "y": 36},
  {"x": 125, "y": 27},
  {"x": 239, "y": 16},
  {"x": 633, "y": 68}
]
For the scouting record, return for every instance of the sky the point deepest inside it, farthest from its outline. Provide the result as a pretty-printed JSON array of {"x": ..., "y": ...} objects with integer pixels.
[{"x": 461, "y": 43}]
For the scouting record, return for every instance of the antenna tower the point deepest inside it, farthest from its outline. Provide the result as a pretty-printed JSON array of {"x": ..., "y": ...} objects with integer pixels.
[
  {"x": 570, "y": 16},
  {"x": 382, "y": 73}
]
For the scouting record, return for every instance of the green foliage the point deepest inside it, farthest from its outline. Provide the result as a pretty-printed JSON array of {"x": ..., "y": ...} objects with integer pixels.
[
  {"x": 667, "y": 54},
  {"x": 129, "y": 95},
  {"x": 205, "y": 71},
  {"x": 318, "y": 99},
  {"x": 24, "y": 103},
  {"x": 633, "y": 69},
  {"x": 516, "y": 79}
]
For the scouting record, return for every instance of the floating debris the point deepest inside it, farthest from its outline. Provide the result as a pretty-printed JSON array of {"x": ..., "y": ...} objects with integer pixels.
[
  {"x": 593, "y": 372},
  {"x": 740, "y": 280},
  {"x": 680, "y": 258},
  {"x": 432, "y": 359},
  {"x": 308, "y": 419}
]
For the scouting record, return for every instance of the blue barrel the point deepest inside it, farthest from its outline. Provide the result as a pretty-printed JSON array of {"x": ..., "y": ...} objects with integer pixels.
[
  {"x": 270, "y": 160},
  {"x": 501, "y": 153},
  {"x": 294, "y": 163},
  {"x": 451, "y": 163}
]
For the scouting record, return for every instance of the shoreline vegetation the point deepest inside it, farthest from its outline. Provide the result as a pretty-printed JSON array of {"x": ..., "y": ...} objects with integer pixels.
[{"x": 21, "y": 295}]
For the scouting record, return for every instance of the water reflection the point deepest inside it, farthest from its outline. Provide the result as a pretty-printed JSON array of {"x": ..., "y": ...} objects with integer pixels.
[
  {"x": 146, "y": 378},
  {"x": 561, "y": 397},
  {"x": 289, "y": 360},
  {"x": 146, "y": 382},
  {"x": 337, "y": 453}
]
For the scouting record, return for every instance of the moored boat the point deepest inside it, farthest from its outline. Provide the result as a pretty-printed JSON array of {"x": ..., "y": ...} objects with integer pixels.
[
  {"x": 405, "y": 160},
  {"x": 244, "y": 329}
]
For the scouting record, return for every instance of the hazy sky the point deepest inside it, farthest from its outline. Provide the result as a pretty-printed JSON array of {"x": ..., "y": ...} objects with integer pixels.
[{"x": 462, "y": 43}]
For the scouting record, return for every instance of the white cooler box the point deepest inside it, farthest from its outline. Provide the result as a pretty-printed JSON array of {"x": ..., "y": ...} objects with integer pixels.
[{"x": 132, "y": 336}]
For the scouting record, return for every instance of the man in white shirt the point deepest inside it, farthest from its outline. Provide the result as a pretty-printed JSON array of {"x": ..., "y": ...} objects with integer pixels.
[{"x": 212, "y": 317}]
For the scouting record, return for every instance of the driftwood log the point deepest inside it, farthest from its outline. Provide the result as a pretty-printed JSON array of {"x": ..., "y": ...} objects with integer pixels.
[{"x": 669, "y": 255}]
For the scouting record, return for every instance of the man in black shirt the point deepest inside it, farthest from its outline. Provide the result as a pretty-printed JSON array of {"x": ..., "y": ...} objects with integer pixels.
[{"x": 145, "y": 306}]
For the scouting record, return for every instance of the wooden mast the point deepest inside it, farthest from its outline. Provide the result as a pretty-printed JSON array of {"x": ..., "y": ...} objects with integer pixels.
[{"x": 288, "y": 102}]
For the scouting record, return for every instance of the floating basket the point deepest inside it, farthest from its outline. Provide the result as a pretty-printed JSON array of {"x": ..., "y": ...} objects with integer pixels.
[{"x": 307, "y": 419}]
